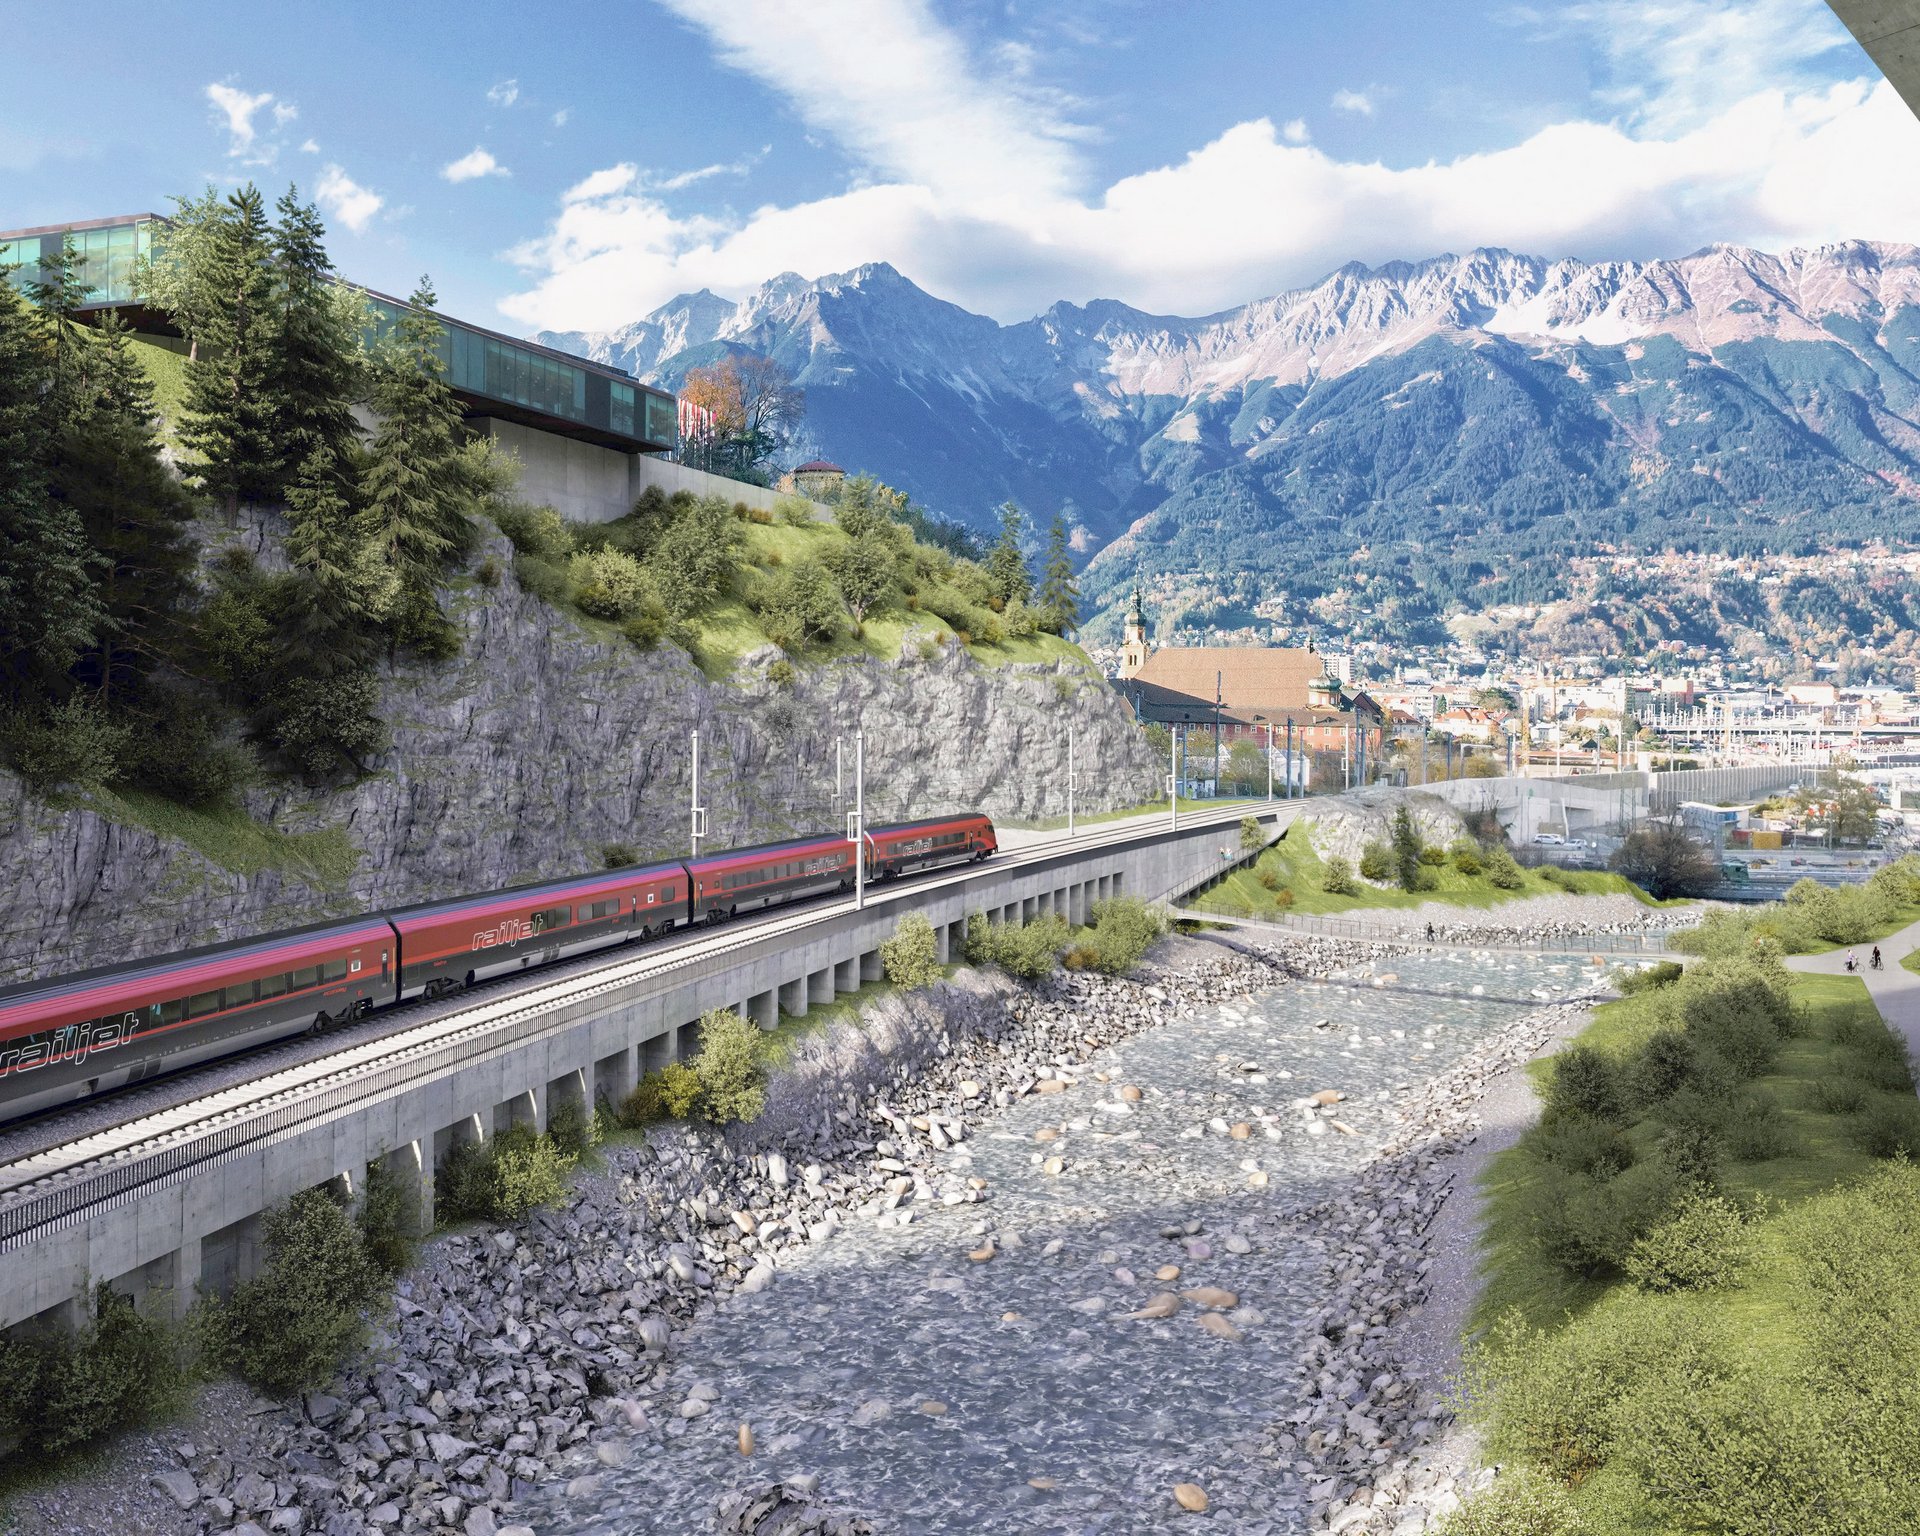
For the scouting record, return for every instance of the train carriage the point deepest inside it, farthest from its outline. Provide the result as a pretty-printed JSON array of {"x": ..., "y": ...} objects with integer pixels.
[
  {"x": 450, "y": 944},
  {"x": 73, "y": 1036},
  {"x": 939, "y": 840},
  {"x": 747, "y": 879}
]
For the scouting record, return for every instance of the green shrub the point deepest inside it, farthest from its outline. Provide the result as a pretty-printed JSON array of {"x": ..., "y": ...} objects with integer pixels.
[
  {"x": 1554, "y": 875},
  {"x": 783, "y": 674},
  {"x": 389, "y": 1219},
  {"x": 1754, "y": 1130},
  {"x": 1579, "y": 1143},
  {"x": 1633, "y": 980},
  {"x": 668, "y": 1094},
  {"x": 1702, "y": 1244},
  {"x": 1124, "y": 929},
  {"x": 1376, "y": 862},
  {"x": 618, "y": 855},
  {"x": 1026, "y": 950},
  {"x": 1586, "y": 1081},
  {"x": 1502, "y": 872},
  {"x": 501, "y": 1179},
  {"x": 1253, "y": 836},
  {"x": 1268, "y": 878},
  {"x": 795, "y": 511},
  {"x": 542, "y": 578},
  {"x": 1465, "y": 854},
  {"x": 647, "y": 626},
  {"x": 488, "y": 572},
  {"x": 1880, "y": 1059},
  {"x": 288, "y": 1328},
  {"x": 73, "y": 742},
  {"x": 1836, "y": 1095},
  {"x": 1519, "y": 1503},
  {"x": 573, "y": 1128},
  {"x": 728, "y": 1067},
  {"x": 1336, "y": 879},
  {"x": 609, "y": 583},
  {"x": 1587, "y": 1225},
  {"x": 1283, "y": 898},
  {"x": 65, "y": 1391},
  {"x": 911, "y": 958},
  {"x": 1664, "y": 1064},
  {"x": 536, "y": 531},
  {"x": 1432, "y": 857},
  {"x": 1889, "y": 1126}
]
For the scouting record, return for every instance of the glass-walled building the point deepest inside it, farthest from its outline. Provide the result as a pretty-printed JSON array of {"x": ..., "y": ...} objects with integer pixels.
[{"x": 495, "y": 376}]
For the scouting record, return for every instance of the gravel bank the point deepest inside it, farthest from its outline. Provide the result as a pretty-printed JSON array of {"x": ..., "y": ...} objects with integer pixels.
[{"x": 603, "y": 1366}]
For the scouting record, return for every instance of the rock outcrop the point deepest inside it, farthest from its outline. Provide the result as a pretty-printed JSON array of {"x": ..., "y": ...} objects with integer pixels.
[
  {"x": 542, "y": 745},
  {"x": 1344, "y": 826}
]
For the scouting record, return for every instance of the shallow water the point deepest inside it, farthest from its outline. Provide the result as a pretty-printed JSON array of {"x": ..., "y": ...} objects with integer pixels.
[{"x": 833, "y": 1366}]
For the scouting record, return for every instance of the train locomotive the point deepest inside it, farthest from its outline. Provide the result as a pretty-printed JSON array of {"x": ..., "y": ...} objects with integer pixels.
[{"x": 72, "y": 1037}]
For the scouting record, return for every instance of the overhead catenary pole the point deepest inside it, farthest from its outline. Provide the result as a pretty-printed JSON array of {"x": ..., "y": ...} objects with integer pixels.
[
  {"x": 1173, "y": 778},
  {"x": 1289, "y": 757},
  {"x": 697, "y": 820},
  {"x": 859, "y": 820},
  {"x": 1269, "y": 761}
]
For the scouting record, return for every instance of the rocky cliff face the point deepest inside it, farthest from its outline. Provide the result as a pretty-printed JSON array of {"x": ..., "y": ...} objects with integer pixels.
[{"x": 541, "y": 746}]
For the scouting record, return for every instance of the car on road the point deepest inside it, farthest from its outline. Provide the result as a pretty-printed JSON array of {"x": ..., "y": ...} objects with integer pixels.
[{"x": 1549, "y": 840}]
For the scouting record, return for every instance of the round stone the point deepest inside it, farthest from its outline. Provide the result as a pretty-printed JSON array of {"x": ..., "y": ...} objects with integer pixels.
[{"x": 1190, "y": 1497}]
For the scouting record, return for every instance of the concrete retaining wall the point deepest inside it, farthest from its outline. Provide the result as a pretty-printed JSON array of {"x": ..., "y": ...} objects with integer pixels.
[{"x": 198, "y": 1227}]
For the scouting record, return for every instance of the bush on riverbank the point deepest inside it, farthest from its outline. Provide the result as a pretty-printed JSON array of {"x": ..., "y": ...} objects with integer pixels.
[
  {"x": 1736, "y": 1348},
  {"x": 911, "y": 958},
  {"x": 289, "y": 1327},
  {"x": 1520, "y": 1503},
  {"x": 1815, "y": 917},
  {"x": 65, "y": 1392},
  {"x": 732, "y": 1085},
  {"x": 501, "y": 1179}
]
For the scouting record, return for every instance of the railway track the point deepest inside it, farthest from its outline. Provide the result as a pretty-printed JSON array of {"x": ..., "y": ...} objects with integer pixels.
[{"x": 56, "y": 1167}]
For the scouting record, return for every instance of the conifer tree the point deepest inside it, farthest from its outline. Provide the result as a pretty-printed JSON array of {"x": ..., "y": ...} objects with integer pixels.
[
  {"x": 228, "y": 420},
  {"x": 417, "y": 479},
  {"x": 108, "y": 470},
  {"x": 312, "y": 365},
  {"x": 329, "y": 607},
  {"x": 1059, "y": 591},
  {"x": 179, "y": 277},
  {"x": 1007, "y": 573},
  {"x": 49, "y": 612}
]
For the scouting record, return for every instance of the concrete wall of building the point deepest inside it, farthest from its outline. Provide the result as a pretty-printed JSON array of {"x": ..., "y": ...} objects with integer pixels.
[
  {"x": 197, "y": 1227},
  {"x": 583, "y": 482},
  {"x": 650, "y": 469}
]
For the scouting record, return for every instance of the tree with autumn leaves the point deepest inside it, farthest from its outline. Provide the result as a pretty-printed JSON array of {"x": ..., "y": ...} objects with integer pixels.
[{"x": 747, "y": 408}]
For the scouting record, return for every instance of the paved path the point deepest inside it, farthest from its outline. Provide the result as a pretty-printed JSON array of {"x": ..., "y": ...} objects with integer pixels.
[{"x": 1894, "y": 989}]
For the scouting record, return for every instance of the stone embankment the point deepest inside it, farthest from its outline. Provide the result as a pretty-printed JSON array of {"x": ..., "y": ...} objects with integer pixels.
[
  {"x": 525, "y": 1370},
  {"x": 539, "y": 746},
  {"x": 1527, "y": 921}
]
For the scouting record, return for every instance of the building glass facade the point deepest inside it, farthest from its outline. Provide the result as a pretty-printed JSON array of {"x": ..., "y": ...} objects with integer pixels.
[{"x": 497, "y": 374}]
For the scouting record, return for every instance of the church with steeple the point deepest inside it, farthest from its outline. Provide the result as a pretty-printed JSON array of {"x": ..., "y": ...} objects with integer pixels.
[{"x": 1242, "y": 689}]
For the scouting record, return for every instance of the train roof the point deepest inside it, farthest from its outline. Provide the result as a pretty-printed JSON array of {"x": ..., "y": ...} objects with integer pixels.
[
  {"x": 765, "y": 850},
  {"x": 568, "y": 886},
  {"x": 361, "y": 928},
  {"x": 926, "y": 823}
]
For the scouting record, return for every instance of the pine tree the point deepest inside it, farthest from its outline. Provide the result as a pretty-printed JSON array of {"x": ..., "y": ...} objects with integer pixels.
[
  {"x": 313, "y": 365},
  {"x": 417, "y": 480},
  {"x": 329, "y": 604},
  {"x": 1059, "y": 591},
  {"x": 1007, "y": 575},
  {"x": 228, "y": 420},
  {"x": 49, "y": 612},
  {"x": 108, "y": 470}
]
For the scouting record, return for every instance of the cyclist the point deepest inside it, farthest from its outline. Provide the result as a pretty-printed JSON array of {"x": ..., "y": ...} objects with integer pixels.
[{"x": 1874, "y": 961}]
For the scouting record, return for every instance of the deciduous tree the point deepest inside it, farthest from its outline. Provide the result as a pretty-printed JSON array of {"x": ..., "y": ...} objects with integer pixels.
[{"x": 228, "y": 421}]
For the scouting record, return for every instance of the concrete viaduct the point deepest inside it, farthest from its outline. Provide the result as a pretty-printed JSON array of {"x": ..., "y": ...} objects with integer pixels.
[{"x": 171, "y": 1202}]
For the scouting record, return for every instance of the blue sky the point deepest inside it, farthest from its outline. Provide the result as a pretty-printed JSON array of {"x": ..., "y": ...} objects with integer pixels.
[{"x": 574, "y": 165}]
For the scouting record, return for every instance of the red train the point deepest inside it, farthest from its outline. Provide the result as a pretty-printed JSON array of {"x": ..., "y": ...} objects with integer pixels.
[{"x": 74, "y": 1036}]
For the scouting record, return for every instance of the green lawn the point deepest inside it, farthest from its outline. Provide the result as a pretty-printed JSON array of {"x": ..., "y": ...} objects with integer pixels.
[
  {"x": 166, "y": 371},
  {"x": 1297, "y": 868},
  {"x": 1758, "y": 1323},
  {"x": 1517, "y": 1276}
]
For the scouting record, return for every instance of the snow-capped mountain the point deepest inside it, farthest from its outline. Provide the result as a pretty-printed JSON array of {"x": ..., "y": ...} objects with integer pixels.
[{"x": 1412, "y": 402}]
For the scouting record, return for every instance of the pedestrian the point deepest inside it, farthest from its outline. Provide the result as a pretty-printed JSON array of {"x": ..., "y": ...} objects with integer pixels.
[{"x": 1429, "y": 933}]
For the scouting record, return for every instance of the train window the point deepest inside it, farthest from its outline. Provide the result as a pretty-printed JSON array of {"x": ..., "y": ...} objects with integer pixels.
[
  {"x": 333, "y": 970},
  {"x": 273, "y": 986},
  {"x": 240, "y": 996},
  {"x": 306, "y": 976},
  {"x": 203, "y": 1003},
  {"x": 173, "y": 1012},
  {"x": 552, "y": 917},
  {"x": 668, "y": 894}
]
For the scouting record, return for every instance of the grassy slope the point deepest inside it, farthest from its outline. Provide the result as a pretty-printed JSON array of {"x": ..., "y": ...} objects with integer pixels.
[
  {"x": 1762, "y": 1307},
  {"x": 1300, "y": 870},
  {"x": 231, "y": 839},
  {"x": 167, "y": 372}
]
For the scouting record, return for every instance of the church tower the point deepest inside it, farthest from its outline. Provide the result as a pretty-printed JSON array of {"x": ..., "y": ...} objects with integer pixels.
[{"x": 1133, "y": 654}]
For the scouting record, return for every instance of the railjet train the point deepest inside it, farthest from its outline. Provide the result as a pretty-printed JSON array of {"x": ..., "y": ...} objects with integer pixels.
[{"x": 75, "y": 1036}]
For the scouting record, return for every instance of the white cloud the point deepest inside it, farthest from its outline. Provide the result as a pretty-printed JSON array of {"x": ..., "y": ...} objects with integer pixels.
[
  {"x": 238, "y": 108},
  {"x": 345, "y": 200},
  {"x": 284, "y": 112},
  {"x": 310, "y": 147},
  {"x": 1353, "y": 101},
  {"x": 473, "y": 165},
  {"x": 505, "y": 94},
  {"x": 979, "y": 200},
  {"x": 1295, "y": 131},
  {"x": 560, "y": 117}
]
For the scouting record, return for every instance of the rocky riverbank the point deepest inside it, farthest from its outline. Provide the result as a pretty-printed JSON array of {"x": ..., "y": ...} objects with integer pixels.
[
  {"x": 1530, "y": 920},
  {"x": 1019, "y": 1156}
]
